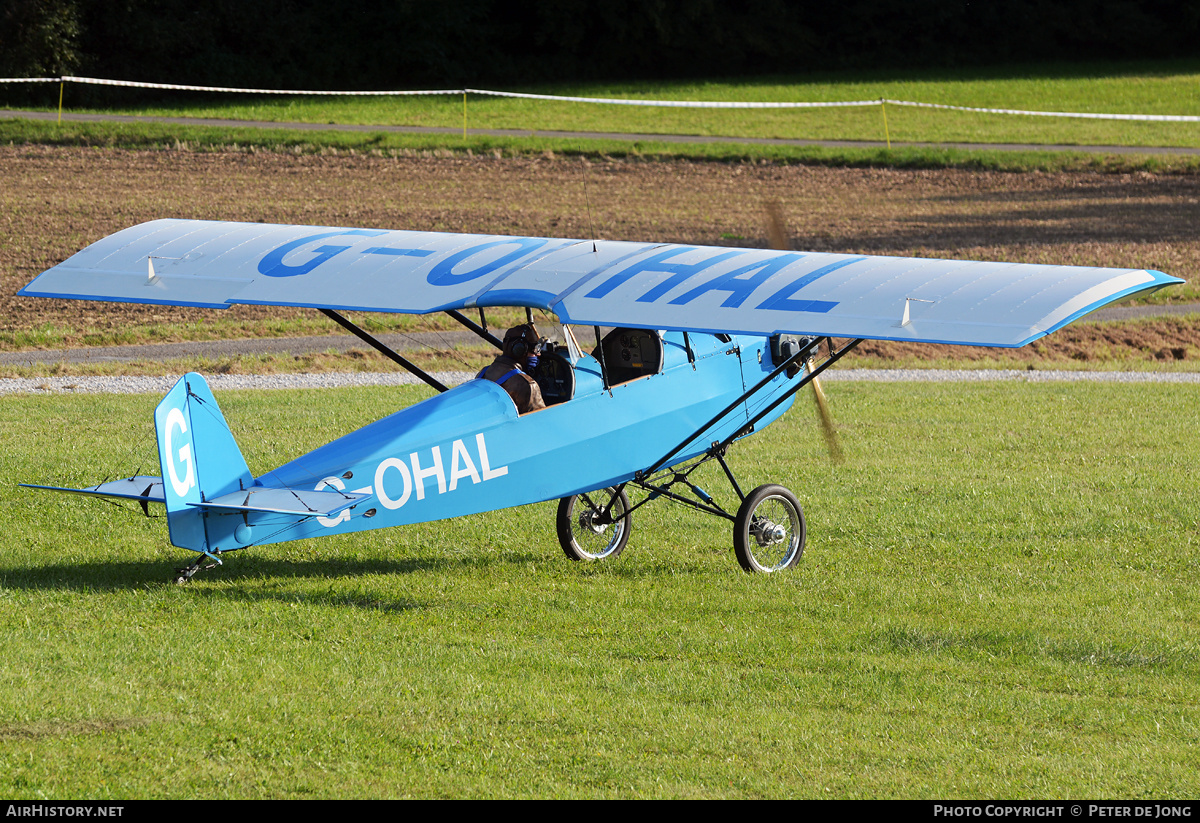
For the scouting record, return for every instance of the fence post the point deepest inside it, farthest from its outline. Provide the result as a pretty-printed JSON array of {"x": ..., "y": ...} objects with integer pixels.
[
  {"x": 61, "y": 83},
  {"x": 883, "y": 108}
]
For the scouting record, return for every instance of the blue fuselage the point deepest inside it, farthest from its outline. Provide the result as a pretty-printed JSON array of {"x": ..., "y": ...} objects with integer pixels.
[{"x": 467, "y": 450}]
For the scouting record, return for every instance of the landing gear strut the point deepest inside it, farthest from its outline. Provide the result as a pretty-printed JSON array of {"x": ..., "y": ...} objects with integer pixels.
[{"x": 768, "y": 527}]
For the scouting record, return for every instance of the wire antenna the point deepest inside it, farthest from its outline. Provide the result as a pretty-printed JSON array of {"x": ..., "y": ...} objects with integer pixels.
[{"x": 587, "y": 201}]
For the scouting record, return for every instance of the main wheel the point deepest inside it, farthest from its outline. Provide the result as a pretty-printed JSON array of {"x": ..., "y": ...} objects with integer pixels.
[
  {"x": 587, "y": 532},
  {"x": 769, "y": 531}
]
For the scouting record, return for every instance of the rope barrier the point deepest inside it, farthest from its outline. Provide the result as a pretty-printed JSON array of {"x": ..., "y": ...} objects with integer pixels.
[
  {"x": 1171, "y": 118},
  {"x": 686, "y": 104},
  {"x": 299, "y": 92}
]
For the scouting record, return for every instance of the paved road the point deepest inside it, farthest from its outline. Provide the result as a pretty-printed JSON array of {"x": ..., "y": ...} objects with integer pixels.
[{"x": 586, "y": 135}]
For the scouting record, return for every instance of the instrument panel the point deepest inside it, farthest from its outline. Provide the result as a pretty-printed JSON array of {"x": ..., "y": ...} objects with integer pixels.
[{"x": 632, "y": 353}]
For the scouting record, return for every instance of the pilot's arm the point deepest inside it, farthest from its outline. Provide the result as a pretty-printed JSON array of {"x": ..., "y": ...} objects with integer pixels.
[{"x": 522, "y": 388}]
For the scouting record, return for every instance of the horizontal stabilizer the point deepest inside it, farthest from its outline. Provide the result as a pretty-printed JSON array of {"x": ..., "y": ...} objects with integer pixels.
[
  {"x": 301, "y": 502},
  {"x": 141, "y": 488}
]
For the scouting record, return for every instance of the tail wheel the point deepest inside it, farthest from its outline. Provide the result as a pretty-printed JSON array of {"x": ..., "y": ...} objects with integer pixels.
[
  {"x": 769, "y": 531},
  {"x": 589, "y": 528}
]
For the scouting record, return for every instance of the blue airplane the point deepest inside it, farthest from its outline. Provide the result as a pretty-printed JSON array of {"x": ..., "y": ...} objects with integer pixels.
[{"x": 706, "y": 345}]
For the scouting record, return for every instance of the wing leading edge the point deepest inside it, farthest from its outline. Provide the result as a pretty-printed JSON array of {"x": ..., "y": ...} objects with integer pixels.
[{"x": 659, "y": 286}]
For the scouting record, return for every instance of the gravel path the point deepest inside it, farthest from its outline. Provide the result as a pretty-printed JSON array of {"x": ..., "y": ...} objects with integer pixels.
[{"x": 227, "y": 382}]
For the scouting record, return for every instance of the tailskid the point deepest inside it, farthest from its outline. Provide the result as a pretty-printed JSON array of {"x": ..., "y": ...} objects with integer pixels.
[{"x": 205, "y": 561}]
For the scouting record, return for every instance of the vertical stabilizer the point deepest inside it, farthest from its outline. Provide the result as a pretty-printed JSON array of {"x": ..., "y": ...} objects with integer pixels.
[{"x": 200, "y": 460}]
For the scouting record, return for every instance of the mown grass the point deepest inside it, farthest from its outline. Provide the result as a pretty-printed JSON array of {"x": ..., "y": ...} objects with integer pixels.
[
  {"x": 456, "y": 359},
  {"x": 997, "y": 600},
  {"x": 156, "y": 136},
  {"x": 62, "y": 336},
  {"x": 1132, "y": 88}
]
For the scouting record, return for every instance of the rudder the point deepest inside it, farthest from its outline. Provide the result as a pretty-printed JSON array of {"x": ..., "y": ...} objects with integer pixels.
[{"x": 199, "y": 458}]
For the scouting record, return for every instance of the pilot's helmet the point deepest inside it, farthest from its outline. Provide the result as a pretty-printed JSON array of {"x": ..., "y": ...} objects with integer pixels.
[{"x": 521, "y": 341}]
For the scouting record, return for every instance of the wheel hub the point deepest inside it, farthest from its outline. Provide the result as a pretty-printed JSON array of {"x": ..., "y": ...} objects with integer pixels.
[
  {"x": 593, "y": 521},
  {"x": 768, "y": 533}
]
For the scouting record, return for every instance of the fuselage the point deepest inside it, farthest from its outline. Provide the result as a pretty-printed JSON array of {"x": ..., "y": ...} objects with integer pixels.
[{"x": 467, "y": 450}]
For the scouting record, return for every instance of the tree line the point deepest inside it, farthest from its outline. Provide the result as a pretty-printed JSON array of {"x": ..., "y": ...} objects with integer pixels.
[{"x": 375, "y": 44}]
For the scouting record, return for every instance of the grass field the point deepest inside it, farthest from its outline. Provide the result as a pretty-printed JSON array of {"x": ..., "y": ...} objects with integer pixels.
[
  {"x": 998, "y": 600},
  {"x": 998, "y": 597},
  {"x": 1122, "y": 88}
]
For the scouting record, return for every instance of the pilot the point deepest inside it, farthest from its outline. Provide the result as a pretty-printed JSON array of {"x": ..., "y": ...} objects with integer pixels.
[{"x": 513, "y": 369}]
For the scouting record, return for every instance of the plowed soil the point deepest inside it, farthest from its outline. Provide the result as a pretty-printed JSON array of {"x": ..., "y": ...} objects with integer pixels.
[{"x": 54, "y": 201}]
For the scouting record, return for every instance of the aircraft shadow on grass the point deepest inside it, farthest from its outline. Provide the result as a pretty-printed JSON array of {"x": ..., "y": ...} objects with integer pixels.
[{"x": 123, "y": 575}]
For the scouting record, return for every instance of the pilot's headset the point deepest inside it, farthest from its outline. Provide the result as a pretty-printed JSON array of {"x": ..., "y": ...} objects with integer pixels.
[{"x": 522, "y": 341}]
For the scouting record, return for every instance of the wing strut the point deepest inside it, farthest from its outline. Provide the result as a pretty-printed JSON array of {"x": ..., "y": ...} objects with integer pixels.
[
  {"x": 603, "y": 365},
  {"x": 663, "y": 485},
  {"x": 810, "y": 375},
  {"x": 478, "y": 329},
  {"x": 799, "y": 357},
  {"x": 411, "y": 367}
]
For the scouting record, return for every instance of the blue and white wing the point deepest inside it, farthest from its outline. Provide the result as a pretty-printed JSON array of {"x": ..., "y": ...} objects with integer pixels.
[{"x": 659, "y": 286}]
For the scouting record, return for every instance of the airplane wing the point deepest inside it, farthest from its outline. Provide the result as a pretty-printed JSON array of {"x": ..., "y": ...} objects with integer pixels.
[{"x": 603, "y": 282}]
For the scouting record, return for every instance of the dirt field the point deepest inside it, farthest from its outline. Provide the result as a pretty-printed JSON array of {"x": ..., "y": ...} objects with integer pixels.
[{"x": 54, "y": 201}]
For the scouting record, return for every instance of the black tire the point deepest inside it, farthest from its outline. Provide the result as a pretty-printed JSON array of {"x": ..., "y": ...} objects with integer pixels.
[
  {"x": 588, "y": 534},
  {"x": 769, "y": 531}
]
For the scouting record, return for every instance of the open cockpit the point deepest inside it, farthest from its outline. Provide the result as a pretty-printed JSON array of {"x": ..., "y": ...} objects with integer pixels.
[{"x": 619, "y": 356}]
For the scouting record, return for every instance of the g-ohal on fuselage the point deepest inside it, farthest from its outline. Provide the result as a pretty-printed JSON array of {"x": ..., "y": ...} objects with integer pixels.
[{"x": 467, "y": 450}]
